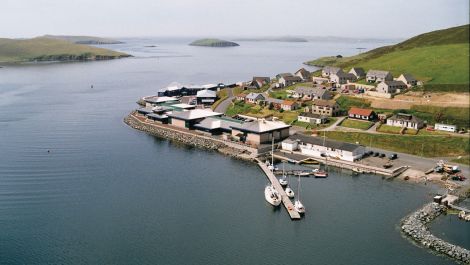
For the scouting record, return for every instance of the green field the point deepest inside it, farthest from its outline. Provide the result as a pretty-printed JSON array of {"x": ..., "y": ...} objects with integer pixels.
[
  {"x": 47, "y": 49},
  {"x": 429, "y": 146},
  {"x": 395, "y": 130},
  {"x": 437, "y": 58},
  {"x": 346, "y": 102},
  {"x": 356, "y": 124}
]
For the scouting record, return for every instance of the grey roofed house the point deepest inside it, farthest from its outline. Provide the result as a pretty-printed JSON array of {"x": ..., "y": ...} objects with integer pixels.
[
  {"x": 284, "y": 75},
  {"x": 378, "y": 73},
  {"x": 260, "y": 126},
  {"x": 302, "y": 73},
  {"x": 274, "y": 100},
  {"x": 293, "y": 78},
  {"x": 328, "y": 143},
  {"x": 254, "y": 97},
  {"x": 408, "y": 77},
  {"x": 313, "y": 92},
  {"x": 313, "y": 115},
  {"x": 405, "y": 117},
  {"x": 358, "y": 72},
  {"x": 329, "y": 70}
]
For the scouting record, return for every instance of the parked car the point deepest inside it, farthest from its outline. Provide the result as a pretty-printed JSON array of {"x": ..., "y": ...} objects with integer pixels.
[
  {"x": 393, "y": 156},
  {"x": 382, "y": 155},
  {"x": 376, "y": 154}
]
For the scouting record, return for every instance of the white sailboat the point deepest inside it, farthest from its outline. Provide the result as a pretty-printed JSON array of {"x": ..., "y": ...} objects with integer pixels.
[
  {"x": 283, "y": 179},
  {"x": 299, "y": 207},
  {"x": 289, "y": 191},
  {"x": 272, "y": 196}
]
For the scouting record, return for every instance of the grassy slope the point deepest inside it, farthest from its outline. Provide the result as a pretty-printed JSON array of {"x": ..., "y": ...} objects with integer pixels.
[
  {"x": 439, "y": 57},
  {"x": 83, "y": 39},
  {"x": 31, "y": 49}
]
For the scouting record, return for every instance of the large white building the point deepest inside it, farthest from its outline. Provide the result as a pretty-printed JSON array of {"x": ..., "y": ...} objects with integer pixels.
[{"x": 319, "y": 147}]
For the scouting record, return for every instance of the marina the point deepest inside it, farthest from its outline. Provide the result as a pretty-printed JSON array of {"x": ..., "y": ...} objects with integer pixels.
[{"x": 294, "y": 215}]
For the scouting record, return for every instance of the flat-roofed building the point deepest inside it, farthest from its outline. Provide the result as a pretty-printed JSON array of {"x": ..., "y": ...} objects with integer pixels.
[
  {"x": 312, "y": 118},
  {"x": 217, "y": 125},
  {"x": 206, "y": 97},
  {"x": 187, "y": 119},
  {"x": 445, "y": 127}
]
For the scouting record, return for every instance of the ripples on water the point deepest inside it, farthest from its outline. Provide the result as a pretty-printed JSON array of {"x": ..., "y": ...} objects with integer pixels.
[{"x": 107, "y": 194}]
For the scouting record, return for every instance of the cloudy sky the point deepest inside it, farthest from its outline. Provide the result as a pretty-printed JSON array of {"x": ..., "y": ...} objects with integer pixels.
[{"x": 119, "y": 18}]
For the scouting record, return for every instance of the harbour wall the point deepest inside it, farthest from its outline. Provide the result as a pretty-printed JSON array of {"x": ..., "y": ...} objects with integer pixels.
[
  {"x": 415, "y": 227},
  {"x": 192, "y": 139}
]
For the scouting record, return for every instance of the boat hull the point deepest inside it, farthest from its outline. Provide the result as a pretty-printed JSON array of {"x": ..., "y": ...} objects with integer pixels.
[{"x": 272, "y": 196}]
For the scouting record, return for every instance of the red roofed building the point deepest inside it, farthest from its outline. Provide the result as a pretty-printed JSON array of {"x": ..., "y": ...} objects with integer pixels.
[
  {"x": 362, "y": 114},
  {"x": 289, "y": 105}
]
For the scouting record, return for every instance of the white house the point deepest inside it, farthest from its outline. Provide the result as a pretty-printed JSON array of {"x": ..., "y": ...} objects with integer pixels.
[
  {"x": 406, "y": 121},
  {"x": 312, "y": 118},
  {"x": 378, "y": 76},
  {"x": 445, "y": 127},
  {"x": 408, "y": 79},
  {"x": 391, "y": 87},
  {"x": 342, "y": 78},
  {"x": 327, "y": 71},
  {"x": 319, "y": 147},
  {"x": 254, "y": 98}
]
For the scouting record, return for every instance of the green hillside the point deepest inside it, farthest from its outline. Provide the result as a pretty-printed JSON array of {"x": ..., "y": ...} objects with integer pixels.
[
  {"x": 47, "y": 49},
  {"x": 438, "y": 57}
]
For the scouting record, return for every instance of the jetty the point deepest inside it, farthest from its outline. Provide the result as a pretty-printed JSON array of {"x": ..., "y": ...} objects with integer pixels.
[{"x": 294, "y": 215}]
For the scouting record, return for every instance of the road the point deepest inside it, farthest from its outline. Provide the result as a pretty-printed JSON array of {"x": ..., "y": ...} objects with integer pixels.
[{"x": 222, "y": 107}]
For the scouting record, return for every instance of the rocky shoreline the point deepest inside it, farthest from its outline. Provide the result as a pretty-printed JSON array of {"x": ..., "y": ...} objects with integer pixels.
[
  {"x": 199, "y": 141},
  {"x": 414, "y": 226}
]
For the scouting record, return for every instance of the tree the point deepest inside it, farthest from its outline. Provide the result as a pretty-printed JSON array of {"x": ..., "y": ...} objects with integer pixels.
[{"x": 271, "y": 106}]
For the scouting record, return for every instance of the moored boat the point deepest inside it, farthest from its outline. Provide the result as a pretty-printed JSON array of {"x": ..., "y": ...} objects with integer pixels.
[
  {"x": 320, "y": 174},
  {"x": 272, "y": 196}
]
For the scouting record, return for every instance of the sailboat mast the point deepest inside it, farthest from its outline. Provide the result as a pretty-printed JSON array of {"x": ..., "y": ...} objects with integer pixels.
[
  {"x": 298, "y": 189},
  {"x": 272, "y": 153}
]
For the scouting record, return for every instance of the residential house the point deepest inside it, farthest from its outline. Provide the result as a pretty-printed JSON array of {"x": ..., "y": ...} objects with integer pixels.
[
  {"x": 341, "y": 78},
  {"x": 289, "y": 105},
  {"x": 325, "y": 107},
  {"x": 358, "y": 72},
  {"x": 391, "y": 87},
  {"x": 260, "y": 132},
  {"x": 378, "y": 76},
  {"x": 187, "y": 119},
  {"x": 406, "y": 121},
  {"x": 312, "y": 118},
  {"x": 327, "y": 71},
  {"x": 408, "y": 79},
  {"x": 303, "y": 74},
  {"x": 312, "y": 93},
  {"x": 445, "y": 127},
  {"x": 278, "y": 76},
  {"x": 276, "y": 103},
  {"x": 285, "y": 81},
  {"x": 254, "y": 98},
  {"x": 206, "y": 97},
  {"x": 259, "y": 82},
  {"x": 320, "y": 80},
  {"x": 319, "y": 147},
  {"x": 362, "y": 114},
  {"x": 241, "y": 96}
]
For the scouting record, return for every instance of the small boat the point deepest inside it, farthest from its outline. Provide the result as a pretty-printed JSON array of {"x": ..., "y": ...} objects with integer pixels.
[
  {"x": 310, "y": 161},
  {"x": 283, "y": 180},
  {"x": 320, "y": 174},
  {"x": 289, "y": 192},
  {"x": 303, "y": 173},
  {"x": 388, "y": 165},
  {"x": 272, "y": 196},
  {"x": 299, "y": 207},
  {"x": 357, "y": 170},
  {"x": 292, "y": 161}
]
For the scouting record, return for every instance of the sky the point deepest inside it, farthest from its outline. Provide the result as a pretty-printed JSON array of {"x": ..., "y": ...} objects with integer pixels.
[{"x": 219, "y": 18}]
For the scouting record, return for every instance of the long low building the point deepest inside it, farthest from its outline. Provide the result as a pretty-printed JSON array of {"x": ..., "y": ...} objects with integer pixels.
[
  {"x": 319, "y": 147},
  {"x": 187, "y": 119}
]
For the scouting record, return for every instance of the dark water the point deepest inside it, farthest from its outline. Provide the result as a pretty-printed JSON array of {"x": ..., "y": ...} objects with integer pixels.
[{"x": 107, "y": 194}]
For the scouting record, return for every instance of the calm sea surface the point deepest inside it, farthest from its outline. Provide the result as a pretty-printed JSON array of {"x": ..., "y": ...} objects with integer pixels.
[{"x": 108, "y": 194}]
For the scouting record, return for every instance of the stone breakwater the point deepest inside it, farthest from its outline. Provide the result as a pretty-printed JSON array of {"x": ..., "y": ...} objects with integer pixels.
[
  {"x": 200, "y": 141},
  {"x": 414, "y": 226}
]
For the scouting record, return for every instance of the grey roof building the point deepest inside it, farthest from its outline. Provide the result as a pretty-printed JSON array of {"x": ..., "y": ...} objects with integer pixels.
[
  {"x": 358, "y": 72},
  {"x": 378, "y": 76},
  {"x": 312, "y": 93}
]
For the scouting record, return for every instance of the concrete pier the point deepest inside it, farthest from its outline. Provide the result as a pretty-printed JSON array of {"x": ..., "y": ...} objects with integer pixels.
[{"x": 294, "y": 215}]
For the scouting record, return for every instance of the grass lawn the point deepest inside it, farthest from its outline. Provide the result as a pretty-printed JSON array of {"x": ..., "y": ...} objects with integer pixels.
[
  {"x": 356, "y": 124},
  {"x": 346, "y": 102},
  {"x": 279, "y": 94},
  {"x": 239, "y": 107},
  {"x": 434, "y": 146}
]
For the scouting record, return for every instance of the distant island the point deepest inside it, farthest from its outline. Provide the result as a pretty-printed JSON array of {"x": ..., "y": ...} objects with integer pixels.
[
  {"x": 213, "y": 43},
  {"x": 51, "y": 49},
  {"x": 90, "y": 40},
  {"x": 280, "y": 39}
]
